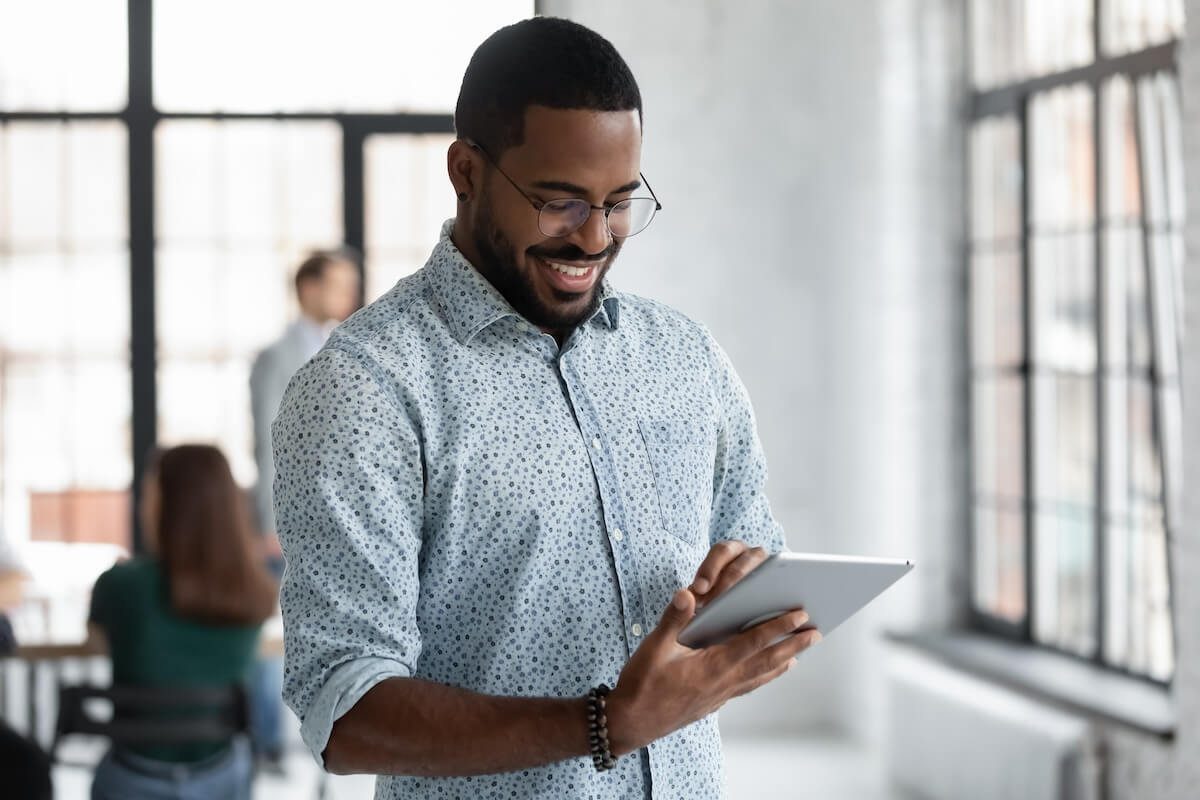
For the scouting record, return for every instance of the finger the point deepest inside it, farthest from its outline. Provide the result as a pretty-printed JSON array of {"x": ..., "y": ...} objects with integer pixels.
[
  {"x": 720, "y": 555},
  {"x": 741, "y": 647},
  {"x": 735, "y": 570},
  {"x": 679, "y": 613},
  {"x": 764, "y": 678},
  {"x": 769, "y": 659}
]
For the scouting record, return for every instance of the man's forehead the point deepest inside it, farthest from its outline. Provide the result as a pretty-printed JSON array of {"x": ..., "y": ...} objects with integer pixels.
[{"x": 579, "y": 139}]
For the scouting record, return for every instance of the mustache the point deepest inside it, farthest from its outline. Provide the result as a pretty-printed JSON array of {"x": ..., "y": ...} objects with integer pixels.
[{"x": 574, "y": 253}]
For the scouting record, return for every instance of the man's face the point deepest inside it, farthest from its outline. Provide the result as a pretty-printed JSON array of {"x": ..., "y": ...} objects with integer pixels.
[
  {"x": 340, "y": 290},
  {"x": 593, "y": 155}
]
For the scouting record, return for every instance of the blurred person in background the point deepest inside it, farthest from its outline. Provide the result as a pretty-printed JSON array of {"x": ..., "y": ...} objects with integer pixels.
[
  {"x": 329, "y": 288},
  {"x": 187, "y": 614},
  {"x": 25, "y": 767}
]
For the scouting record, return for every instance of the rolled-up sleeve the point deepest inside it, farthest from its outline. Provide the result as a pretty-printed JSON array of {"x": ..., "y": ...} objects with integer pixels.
[
  {"x": 740, "y": 507},
  {"x": 348, "y": 500}
]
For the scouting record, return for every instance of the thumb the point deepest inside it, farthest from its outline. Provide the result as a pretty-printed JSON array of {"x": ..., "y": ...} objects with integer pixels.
[{"x": 678, "y": 614}]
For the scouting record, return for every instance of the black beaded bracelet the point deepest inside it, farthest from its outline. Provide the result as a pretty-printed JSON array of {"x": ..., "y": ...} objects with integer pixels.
[{"x": 602, "y": 757}]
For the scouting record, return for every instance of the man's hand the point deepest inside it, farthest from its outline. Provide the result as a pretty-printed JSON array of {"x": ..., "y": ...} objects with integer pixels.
[
  {"x": 726, "y": 564},
  {"x": 666, "y": 685}
]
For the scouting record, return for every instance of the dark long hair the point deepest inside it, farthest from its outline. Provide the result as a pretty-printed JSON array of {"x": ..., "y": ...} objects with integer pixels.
[{"x": 204, "y": 541}]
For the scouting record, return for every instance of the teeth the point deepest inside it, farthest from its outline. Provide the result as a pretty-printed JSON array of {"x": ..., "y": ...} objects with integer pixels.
[{"x": 566, "y": 269}]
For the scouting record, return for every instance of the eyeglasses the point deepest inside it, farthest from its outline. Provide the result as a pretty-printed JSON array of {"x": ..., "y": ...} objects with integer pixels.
[{"x": 564, "y": 216}]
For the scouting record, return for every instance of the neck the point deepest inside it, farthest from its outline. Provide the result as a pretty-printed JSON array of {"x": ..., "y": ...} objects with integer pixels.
[{"x": 461, "y": 238}]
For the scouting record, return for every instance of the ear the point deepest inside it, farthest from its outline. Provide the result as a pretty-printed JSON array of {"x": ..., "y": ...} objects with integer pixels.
[{"x": 465, "y": 166}]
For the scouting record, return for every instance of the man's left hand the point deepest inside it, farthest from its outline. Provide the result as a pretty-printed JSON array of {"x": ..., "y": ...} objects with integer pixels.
[{"x": 726, "y": 564}]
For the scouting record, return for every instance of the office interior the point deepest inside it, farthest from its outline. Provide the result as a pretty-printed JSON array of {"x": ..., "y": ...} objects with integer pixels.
[{"x": 945, "y": 244}]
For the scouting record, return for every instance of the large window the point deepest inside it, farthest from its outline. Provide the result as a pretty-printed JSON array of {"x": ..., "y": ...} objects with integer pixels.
[
  {"x": 1076, "y": 265},
  {"x": 163, "y": 168}
]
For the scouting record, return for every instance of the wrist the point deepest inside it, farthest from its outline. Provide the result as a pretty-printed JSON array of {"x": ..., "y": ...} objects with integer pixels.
[{"x": 621, "y": 737}]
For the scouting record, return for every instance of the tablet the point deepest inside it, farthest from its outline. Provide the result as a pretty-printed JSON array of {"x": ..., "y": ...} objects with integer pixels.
[{"x": 830, "y": 588}]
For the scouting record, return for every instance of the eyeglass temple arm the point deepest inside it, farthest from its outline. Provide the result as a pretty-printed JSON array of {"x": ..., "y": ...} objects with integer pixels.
[{"x": 650, "y": 189}]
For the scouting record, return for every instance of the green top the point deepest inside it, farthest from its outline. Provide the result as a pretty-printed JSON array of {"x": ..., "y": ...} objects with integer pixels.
[{"x": 151, "y": 645}]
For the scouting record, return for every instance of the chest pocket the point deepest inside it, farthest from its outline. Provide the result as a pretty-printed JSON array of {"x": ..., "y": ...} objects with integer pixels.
[{"x": 681, "y": 460}]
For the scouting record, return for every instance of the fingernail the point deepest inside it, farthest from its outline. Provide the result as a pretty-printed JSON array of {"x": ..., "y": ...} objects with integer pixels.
[
  {"x": 700, "y": 585},
  {"x": 679, "y": 600},
  {"x": 791, "y": 664},
  {"x": 816, "y": 637}
]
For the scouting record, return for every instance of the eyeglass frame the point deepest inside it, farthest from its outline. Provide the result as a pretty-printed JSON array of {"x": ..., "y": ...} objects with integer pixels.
[{"x": 538, "y": 205}]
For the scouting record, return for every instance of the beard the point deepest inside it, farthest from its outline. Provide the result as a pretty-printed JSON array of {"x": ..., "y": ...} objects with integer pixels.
[{"x": 499, "y": 266}]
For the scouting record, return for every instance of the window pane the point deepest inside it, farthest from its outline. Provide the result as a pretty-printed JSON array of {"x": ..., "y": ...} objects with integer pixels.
[
  {"x": 1137, "y": 634},
  {"x": 1122, "y": 180},
  {"x": 1061, "y": 152},
  {"x": 1170, "y": 415},
  {"x": 358, "y": 55},
  {"x": 999, "y": 438},
  {"x": 1065, "y": 467},
  {"x": 997, "y": 309},
  {"x": 999, "y": 554},
  {"x": 1128, "y": 25},
  {"x": 1064, "y": 301},
  {"x": 1127, "y": 306},
  {"x": 995, "y": 180},
  {"x": 240, "y": 204},
  {"x": 1065, "y": 579},
  {"x": 63, "y": 55},
  {"x": 64, "y": 332},
  {"x": 408, "y": 196},
  {"x": 1016, "y": 39},
  {"x": 1058, "y": 35}
]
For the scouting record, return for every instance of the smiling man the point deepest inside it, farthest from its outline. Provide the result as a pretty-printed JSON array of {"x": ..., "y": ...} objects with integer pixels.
[{"x": 505, "y": 486}]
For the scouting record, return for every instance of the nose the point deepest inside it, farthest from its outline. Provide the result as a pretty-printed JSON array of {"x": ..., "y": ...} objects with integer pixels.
[{"x": 593, "y": 236}]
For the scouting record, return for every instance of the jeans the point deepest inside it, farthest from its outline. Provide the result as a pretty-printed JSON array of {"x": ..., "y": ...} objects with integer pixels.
[
  {"x": 266, "y": 692},
  {"x": 266, "y": 705},
  {"x": 128, "y": 776}
]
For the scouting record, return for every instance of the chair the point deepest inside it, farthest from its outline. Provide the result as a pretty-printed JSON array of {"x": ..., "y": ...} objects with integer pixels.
[{"x": 151, "y": 715}]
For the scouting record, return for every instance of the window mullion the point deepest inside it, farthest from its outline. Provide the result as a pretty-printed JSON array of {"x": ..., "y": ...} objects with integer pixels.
[
  {"x": 1028, "y": 363},
  {"x": 1102, "y": 358}
]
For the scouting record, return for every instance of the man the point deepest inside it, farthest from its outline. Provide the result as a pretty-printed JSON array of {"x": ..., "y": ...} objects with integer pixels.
[
  {"x": 329, "y": 290},
  {"x": 493, "y": 481}
]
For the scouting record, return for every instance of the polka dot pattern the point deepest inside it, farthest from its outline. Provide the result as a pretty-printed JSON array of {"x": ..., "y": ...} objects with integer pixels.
[{"x": 461, "y": 500}]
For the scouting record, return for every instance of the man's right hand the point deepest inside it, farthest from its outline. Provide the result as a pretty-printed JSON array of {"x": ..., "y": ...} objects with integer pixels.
[{"x": 666, "y": 685}]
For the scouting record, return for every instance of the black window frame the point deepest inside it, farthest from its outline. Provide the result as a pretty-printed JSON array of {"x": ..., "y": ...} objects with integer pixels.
[
  {"x": 140, "y": 118},
  {"x": 1012, "y": 100}
]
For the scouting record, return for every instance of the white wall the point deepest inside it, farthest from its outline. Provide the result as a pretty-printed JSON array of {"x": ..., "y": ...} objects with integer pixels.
[{"x": 809, "y": 159}]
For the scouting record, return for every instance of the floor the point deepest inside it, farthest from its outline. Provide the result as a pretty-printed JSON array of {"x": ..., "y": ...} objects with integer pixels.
[{"x": 758, "y": 769}]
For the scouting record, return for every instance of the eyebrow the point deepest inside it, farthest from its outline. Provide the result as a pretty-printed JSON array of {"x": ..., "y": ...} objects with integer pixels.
[{"x": 572, "y": 188}]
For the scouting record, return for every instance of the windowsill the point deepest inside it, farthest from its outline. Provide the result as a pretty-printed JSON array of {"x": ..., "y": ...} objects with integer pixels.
[{"x": 1055, "y": 678}]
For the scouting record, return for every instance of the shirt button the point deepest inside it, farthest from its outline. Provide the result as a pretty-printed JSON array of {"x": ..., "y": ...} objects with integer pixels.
[
  {"x": 596, "y": 442},
  {"x": 617, "y": 534},
  {"x": 637, "y": 629}
]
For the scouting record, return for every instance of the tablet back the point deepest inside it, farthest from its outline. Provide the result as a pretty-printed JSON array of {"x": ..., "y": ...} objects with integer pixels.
[{"x": 830, "y": 588}]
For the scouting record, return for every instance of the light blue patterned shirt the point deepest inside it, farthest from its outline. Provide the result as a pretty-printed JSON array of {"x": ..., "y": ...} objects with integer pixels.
[{"x": 461, "y": 500}]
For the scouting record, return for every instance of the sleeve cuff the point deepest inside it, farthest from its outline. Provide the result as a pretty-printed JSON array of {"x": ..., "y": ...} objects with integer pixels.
[{"x": 345, "y": 686}]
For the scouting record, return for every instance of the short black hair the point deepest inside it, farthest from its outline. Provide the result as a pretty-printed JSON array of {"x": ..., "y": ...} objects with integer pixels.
[{"x": 544, "y": 61}]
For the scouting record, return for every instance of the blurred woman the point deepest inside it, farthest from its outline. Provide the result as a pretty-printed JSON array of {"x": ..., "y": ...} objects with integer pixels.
[{"x": 187, "y": 614}]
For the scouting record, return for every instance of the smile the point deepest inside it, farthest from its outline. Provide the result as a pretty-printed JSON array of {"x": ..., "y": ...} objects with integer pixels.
[{"x": 567, "y": 269}]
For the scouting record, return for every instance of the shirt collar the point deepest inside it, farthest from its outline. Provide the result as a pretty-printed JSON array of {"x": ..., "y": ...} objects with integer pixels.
[
  {"x": 312, "y": 335},
  {"x": 470, "y": 302}
]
